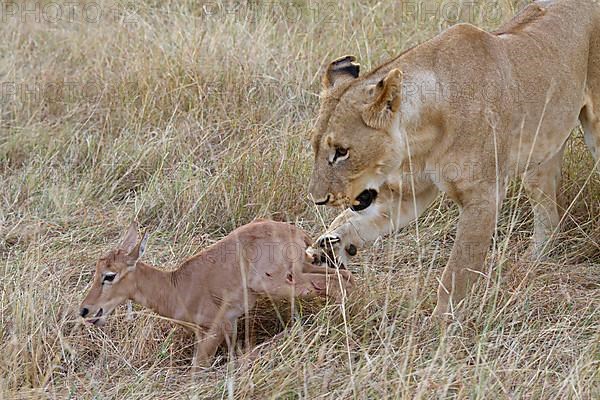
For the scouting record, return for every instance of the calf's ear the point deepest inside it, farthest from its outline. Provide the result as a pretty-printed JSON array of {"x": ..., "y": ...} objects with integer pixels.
[
  {"x": 131, "y": 237},
  {"x": 138, "y": 251}
]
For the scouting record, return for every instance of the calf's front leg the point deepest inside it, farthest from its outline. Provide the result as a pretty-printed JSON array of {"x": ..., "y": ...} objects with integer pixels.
[{"x": 207, "y": 343}]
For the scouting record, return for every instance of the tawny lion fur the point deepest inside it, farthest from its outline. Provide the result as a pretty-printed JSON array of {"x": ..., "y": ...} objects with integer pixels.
[{"x": 461, "y": 114}]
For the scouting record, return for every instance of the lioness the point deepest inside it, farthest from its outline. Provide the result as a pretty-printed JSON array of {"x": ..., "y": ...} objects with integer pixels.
[{"x": 459, "y": 113}]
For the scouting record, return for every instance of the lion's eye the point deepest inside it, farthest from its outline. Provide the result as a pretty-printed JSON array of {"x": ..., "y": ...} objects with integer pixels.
[
  {"x": 340, "y": 154},
  {"x": 109, "y": 277}
]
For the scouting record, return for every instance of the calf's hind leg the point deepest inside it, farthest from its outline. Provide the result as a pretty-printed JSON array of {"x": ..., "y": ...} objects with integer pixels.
[
  {"x": 294, "y": 280},
  {"x": 326, "y": 270}
]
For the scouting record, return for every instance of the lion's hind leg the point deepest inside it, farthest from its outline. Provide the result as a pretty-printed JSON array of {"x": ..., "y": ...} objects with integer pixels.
[
  {"x": 542, "y": 184},
  {"x": 590, "y": 122}
]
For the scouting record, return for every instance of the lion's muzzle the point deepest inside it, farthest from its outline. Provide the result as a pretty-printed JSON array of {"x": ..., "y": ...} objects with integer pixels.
[{"x": 324, "y": 201}]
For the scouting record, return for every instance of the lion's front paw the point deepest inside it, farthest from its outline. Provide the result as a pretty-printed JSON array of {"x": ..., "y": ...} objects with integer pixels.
[
  {"x": 536, "y": 252},
  {"x": 332, "y": 249},
  {"x": 441, "y": 315}
]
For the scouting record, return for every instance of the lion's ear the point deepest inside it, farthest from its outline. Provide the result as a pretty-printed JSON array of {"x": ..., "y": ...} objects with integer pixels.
[
  {"x": 342, "y": 69},
  {"x": 380, "y": 113}
]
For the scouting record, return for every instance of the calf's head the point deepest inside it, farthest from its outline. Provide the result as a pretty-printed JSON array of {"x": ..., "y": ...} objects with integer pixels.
[{"x": 114, "y": 279}]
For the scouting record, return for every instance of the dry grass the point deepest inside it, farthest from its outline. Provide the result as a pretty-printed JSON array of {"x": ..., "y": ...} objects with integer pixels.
[{"x": 193, "y": 118}]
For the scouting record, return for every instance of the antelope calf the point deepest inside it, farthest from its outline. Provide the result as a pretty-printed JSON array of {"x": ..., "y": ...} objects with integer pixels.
[{"x": 209, "y": 291}]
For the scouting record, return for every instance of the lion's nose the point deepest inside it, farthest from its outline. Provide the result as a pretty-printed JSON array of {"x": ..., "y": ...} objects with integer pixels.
[
  {"x": 84, "y": 311},
  {"x": 324, "y": 201}
]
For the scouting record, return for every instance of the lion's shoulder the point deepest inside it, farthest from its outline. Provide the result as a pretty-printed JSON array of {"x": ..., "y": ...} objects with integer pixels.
[
  {"x": 459, "y": 35},
  {"x": 466, "y": 29}
]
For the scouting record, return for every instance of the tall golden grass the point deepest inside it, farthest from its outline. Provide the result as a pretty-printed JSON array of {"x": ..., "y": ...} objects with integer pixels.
[{"x": 193, "y": 117}]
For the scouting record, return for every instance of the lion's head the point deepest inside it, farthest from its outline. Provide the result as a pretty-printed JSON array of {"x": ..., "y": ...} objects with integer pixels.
[{"x": 356, "y": 139}]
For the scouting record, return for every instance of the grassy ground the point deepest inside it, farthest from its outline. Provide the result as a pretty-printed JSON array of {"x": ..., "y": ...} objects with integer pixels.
[{"x": 192, "y": 117}]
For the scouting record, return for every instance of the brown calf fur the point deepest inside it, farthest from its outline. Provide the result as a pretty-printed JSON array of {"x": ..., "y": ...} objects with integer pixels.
[{"x": 209, "y": 291}]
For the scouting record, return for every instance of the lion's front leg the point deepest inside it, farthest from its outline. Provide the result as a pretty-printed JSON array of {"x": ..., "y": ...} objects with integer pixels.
[
  {"x": 473, "y": 237},
  {"x": 352, "y": 230}
]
